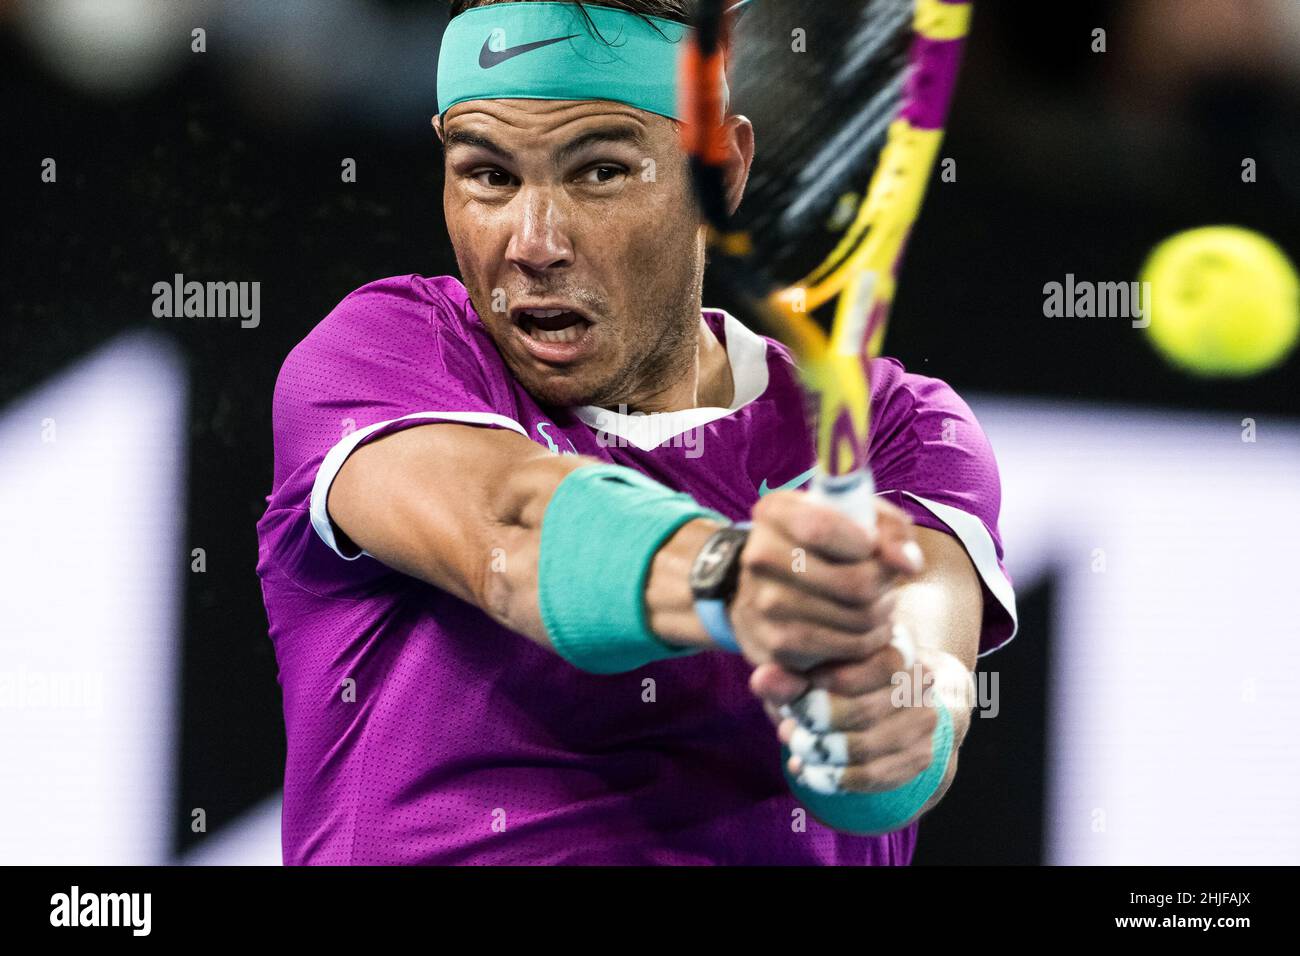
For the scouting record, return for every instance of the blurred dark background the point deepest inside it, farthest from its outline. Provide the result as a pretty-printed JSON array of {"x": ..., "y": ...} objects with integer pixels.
[{"x": 225, "y": 165}]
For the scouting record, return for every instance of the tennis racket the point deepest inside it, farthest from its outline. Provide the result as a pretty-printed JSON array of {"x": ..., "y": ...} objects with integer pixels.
[{"x": 848, "y": 101}]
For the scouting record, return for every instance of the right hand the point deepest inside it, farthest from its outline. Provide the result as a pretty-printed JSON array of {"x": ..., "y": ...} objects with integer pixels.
[{"x": 816, "y": 585}]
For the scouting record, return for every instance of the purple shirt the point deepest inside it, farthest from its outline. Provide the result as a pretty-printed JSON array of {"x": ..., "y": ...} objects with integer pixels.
[{"x": 421, "y": 731}]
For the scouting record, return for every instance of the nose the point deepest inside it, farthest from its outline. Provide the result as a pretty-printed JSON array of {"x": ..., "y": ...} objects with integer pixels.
[{"x": 539, "y": 242}]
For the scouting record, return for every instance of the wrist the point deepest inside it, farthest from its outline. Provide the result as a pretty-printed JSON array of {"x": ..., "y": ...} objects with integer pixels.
[
  {"x": 670, "y": 603},
  {"x": 602, "y": 529},
  {"x": 715, "y": 576},
  {"x": 953, "y": 686}
]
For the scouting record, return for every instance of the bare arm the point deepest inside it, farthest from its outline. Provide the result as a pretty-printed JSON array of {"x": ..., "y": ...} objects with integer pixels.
[
  {"x": 461, "y": 507},
  {"x": 944, "y": 607}
]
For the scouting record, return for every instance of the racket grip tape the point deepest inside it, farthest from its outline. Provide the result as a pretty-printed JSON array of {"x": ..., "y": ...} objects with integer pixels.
[{"x": 853, "y": 494}]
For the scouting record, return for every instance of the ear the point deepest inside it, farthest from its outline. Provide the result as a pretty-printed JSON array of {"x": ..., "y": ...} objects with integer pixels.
[
  {"x": 739, "y": 158},
  {"x": 437, "y": 126}
]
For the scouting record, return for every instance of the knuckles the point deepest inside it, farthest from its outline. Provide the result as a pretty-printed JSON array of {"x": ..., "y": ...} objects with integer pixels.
[
  {"x": 862, "y": 581},
  {"x": 793, "y": 639},
  {"x": 812, "y": 527},
  {"x": 767, "y": 599},
  {"x": 760, "y": 556}
]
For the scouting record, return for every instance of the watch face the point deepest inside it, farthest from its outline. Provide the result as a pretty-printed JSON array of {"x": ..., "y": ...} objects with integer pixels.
[
  {"x": 711, "y": 562},
  {"x": 713, "y": 567}
]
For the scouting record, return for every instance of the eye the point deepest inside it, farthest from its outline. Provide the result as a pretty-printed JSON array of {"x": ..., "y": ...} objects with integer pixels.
[
  {"x": 602, "y": 174},
  {"x": 492, "y": 177}
]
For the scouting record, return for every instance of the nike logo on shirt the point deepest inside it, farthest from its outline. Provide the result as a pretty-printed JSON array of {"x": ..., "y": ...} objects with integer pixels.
[{"x": 794, "y": 482}]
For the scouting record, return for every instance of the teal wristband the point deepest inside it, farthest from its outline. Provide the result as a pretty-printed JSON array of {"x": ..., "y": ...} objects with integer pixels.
[
  {"x": 876, "y": 813},
  {"x": 600, "y": 533}
]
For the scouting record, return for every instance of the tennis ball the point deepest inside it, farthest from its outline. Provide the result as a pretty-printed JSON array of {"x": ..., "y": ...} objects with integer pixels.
[{"x": 1223, "y": 301}]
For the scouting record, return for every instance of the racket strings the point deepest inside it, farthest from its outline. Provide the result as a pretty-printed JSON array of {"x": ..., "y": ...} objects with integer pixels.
[
  {"x": 822, "y": 83},
  {"x": 831, "y": 89}
]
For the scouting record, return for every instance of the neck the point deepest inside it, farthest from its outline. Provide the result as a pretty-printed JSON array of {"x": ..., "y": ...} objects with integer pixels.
[
  {"x": 716, "y": 385},
  {"x": 705, "y": 380}
]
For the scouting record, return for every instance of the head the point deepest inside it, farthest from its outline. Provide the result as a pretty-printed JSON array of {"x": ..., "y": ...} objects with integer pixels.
[{"x": 582, "y": 206}]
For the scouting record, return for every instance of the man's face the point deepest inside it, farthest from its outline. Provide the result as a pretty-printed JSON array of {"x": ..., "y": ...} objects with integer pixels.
[{"x": 583, "y": 207}]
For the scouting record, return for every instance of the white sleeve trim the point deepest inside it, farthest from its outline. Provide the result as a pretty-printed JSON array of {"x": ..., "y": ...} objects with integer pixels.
[
  {"x": 336, "y": 456},
  {"x": 977, "y": 541}
]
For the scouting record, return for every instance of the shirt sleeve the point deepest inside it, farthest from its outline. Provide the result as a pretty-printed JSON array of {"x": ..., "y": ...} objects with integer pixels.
[
  {"x": 394, "y": 354},
  {"x": 930, "y": 457}
]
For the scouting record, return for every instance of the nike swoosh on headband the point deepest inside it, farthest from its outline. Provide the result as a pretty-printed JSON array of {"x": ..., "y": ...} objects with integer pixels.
[{"x": 488, "y": 57}]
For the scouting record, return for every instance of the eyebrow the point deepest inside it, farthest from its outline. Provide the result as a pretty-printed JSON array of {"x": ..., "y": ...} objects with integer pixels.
[{"x": 605, "y": 134}]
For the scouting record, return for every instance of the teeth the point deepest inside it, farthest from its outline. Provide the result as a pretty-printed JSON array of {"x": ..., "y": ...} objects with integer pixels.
[{"x": 570, "y": 333}]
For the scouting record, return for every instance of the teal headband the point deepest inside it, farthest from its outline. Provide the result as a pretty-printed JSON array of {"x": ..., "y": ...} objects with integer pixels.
[{"x": 548, "y": 51}]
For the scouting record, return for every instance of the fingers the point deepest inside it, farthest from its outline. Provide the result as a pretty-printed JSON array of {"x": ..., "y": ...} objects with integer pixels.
[
  {"x": 819, "y": 711},
  {"x": 893, "y": 729},
  {"x": 820, "y": 749},
  {"x": 851, "y": 585},
  {"x": 813, "y": 581},
  {"x": 887, "y": 755},
  {"x": 896, "y": 538},
  {"x": 801, "y": 648},
  {"x": 777, "y": 686},
  {"x": 850, "y": 731},
  {"x": 828, "y": 554},
  {"x": 815, "y": 526},
  {"x": 888, "y": 650},
  {"x": 781, "y": 625},
  {"x": 790, "y": 600},
  {"x": 892, "y": 651},
  {"x": 870, "y": 661},
  {"x": 814, "y": 710},
  {"x": 888, "y": 773}
]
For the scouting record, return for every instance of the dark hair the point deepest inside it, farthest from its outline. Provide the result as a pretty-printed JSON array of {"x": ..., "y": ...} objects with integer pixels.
[{"x": 676, "y": 10}]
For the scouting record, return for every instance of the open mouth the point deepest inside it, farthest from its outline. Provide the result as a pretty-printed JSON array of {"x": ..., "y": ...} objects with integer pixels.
[
  {"x": 552, "y": 325},
  {"x": 553, "y": 333}
]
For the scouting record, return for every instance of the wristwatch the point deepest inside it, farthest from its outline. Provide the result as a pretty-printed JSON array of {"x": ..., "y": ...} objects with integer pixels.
[{"x": 713, "y": 579}]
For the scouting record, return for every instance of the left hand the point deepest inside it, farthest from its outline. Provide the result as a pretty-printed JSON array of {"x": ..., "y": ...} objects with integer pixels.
[{"x": 860, "y": 726}]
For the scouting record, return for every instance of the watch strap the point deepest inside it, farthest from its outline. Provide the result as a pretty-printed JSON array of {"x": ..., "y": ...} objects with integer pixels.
[{"x": 713, "y": 615}]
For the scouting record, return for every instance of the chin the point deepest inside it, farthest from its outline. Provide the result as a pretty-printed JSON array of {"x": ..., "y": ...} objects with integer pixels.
[
  {"x": 560, "y": 391},
  {"x": 584, "y": 383}
]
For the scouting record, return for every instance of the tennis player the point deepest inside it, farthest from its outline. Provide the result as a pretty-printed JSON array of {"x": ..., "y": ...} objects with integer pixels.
[{"x": 518, "y": 613}]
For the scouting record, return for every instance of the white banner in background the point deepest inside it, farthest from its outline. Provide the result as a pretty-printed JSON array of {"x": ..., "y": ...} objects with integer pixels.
[{"x": 1172, "y": 736}]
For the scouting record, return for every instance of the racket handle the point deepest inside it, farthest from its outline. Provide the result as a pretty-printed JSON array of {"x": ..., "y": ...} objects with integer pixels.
[{"x": 853, "y": 494}]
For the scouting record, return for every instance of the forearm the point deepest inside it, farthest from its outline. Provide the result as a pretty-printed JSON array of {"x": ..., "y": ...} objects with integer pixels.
[
  {"x": 953, "y": 687},
  {"x": 943, "y": 609},
  {"x": 542, "y": 550},
  {"x": 507, "y": 587},
  {"x": 511, "y": 590},
  {"x": 459, "y": 507}
]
